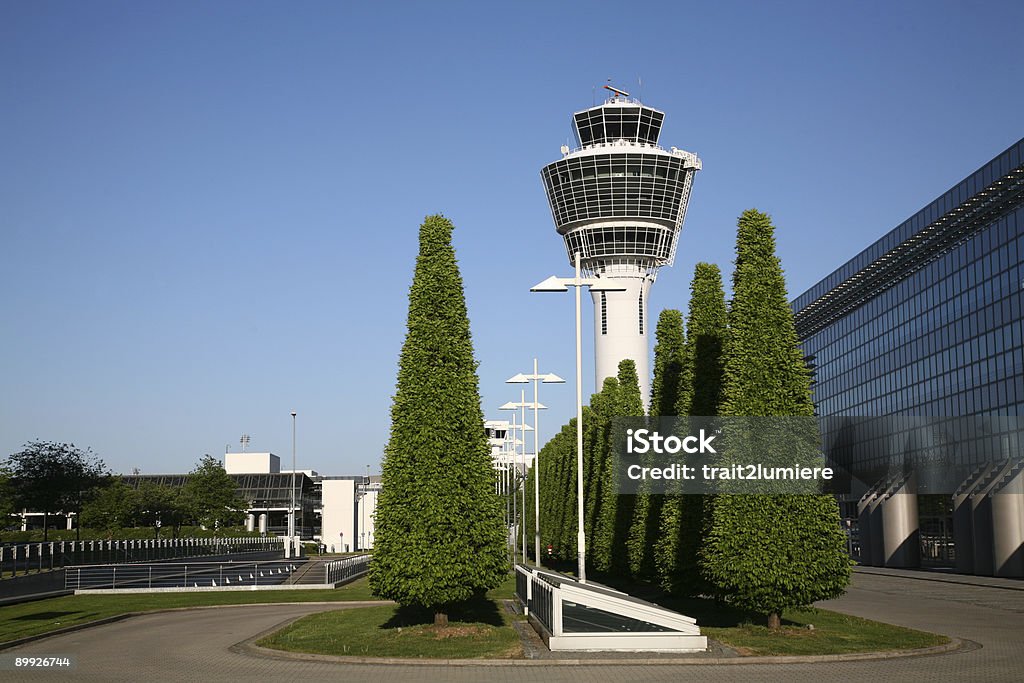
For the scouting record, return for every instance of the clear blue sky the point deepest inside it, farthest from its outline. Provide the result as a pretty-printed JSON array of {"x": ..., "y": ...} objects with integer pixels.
[{"x": 209, "y": 210}]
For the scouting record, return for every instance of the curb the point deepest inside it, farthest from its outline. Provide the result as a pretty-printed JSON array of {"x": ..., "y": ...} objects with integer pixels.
[{"x": 249, "y": 647}]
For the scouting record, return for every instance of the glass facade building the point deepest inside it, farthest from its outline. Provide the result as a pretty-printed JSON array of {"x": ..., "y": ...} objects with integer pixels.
[
  {"x": 927, "y": 323},
  {"x": 265, "y": 493}
]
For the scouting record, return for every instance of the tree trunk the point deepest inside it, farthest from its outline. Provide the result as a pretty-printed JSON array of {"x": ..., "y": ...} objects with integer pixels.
[
  {"x": 775, "y": 621},
  {"x": 440, "y": 619},
  {"x": 45, "y": 529}
]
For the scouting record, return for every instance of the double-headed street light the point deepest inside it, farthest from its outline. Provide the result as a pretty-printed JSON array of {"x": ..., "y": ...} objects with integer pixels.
[
  {"x": 508, "y": 451},
  {"x": 291, "y": 517},
  {"x": 522, "y": 405},
  {"x": 547, "y": 379},
  {"x": 562, "y": 284}
]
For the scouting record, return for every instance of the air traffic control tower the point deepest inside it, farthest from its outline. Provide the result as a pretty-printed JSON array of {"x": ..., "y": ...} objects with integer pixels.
[{"x": 619, "y": 201}]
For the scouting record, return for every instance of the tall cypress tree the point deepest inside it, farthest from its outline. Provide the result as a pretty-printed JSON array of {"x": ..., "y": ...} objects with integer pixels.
[
  {"x": 685, "y": 518},
  {"x": 439, "y": 534},
  {"x": 557, "y": 490},
  {"x": 669, "y": 350},
  {"x": 617, "y": 510},
  {"x": 769, "y": 552},
  {"x": 595, "y": 451},
  {"x": 707, "y": 324},
  {"x": 669, "y": 360}
]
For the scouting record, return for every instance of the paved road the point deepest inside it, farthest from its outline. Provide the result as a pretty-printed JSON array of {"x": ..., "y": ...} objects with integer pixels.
[{"x": 194, "y": 646}]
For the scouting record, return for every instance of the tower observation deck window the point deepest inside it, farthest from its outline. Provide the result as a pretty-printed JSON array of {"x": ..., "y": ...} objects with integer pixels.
[
  {"x": 610, "y": 123},
  {"x": 616, "y": 185}
]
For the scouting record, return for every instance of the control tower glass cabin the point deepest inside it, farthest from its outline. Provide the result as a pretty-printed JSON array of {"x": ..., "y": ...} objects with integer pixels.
[{"x": 619, "y": 200}]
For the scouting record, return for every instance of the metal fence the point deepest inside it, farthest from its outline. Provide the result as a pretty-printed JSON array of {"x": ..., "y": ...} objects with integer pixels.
[
  {"x": 179, "y": 575},
  {"x": 348, "y": 568},
  {"x": 25, "y": 558}
]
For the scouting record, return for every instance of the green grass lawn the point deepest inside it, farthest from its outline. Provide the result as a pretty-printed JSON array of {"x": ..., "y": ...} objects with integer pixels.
[
  {"x": 477, "y": 628},
  {"x": 390, "y": 631},
  {"x": 31, "y": 618},
  {"x": 747, "y": 631},
  {"x": 833, "y": 634}
]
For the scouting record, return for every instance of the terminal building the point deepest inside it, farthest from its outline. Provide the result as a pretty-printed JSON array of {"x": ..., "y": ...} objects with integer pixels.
[
  {"x": 336, "y": 510},
  {"x": 916, "y": 350}
]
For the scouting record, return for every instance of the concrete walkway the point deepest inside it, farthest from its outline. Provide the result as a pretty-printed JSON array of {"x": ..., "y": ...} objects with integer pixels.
[{"x": 196, "y": 646}]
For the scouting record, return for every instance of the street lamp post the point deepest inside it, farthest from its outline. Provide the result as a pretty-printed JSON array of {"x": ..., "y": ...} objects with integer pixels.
[
  {"x": 522, "y": 408},
  {"x": 547, "y": 379},
  {"x": 557, "y": 284},
  {"x": 291, "y": 515},
  {"x": 513, "y": 480},
  {"x": 522, "y": 405}
]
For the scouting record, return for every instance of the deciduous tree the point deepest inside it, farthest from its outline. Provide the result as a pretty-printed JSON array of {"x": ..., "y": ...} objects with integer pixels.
[
  {"x": 616, "y": 515},
  {"x": 211, "y": 496},
  {"x": 669, "y": 362},
  {"x": 685, "y": 518},
  {"x": 439, "y": 533},
  {"x": 770, "y": 552},
  {"x": 53, "y": 477}
]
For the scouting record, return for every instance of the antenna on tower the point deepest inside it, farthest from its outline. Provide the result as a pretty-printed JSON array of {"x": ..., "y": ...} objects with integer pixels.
[{"x": 618, "y": 93}]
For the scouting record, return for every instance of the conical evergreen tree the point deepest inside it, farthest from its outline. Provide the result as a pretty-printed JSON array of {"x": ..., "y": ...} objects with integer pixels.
[
  {"x": 558, "y": 486},
  {"x": 685, "y": 518},
  {"x": 595, "y": 454},
  {"x": 617, "y": 509},
  {"x": 769, "y": 552},
  {"x": 439, "y": 533},
  {"x": 669, "y": 361},
  {"x": 704, "y": 346}
]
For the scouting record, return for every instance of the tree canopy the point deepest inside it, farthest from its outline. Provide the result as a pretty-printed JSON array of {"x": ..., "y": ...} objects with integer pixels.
[
  {"x": 51, "y": 477},
  {"x": 769, "y": 552},
  {"x": 439, "y": 537},
  {"x": 210, "y": 496}
]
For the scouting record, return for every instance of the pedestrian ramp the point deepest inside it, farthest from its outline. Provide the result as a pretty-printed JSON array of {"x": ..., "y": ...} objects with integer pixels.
[{"x": 571, "y": 615}]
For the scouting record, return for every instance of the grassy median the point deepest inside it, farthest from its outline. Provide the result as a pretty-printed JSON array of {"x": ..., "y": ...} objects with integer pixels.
[
  {"x": 832, "y": 634},
  {"x": 803, "y": 632},
  {"x": 480, "y": 628}
]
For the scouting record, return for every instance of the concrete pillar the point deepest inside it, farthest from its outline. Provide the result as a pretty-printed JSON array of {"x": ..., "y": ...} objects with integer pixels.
[
  {"x": 963, "y": 533},
  {"x": 981, "y": 519},
  {"x": 1008, "y": 522},
  {"x": 900, "y": 529}
]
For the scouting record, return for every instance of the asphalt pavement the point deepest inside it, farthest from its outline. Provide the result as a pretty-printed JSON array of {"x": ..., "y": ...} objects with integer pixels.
[{"x": 202, "y": 645}]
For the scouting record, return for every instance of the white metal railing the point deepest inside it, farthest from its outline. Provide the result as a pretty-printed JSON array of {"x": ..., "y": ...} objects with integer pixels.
[
  {"x": 25, "y": 558},
  {"x": 178, "y": 575},
  {"x": 337, "y": 571}
]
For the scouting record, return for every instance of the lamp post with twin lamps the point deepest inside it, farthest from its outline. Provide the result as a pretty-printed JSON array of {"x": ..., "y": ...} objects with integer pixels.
[
  {"x": 546, "y": 379},
  {"x": 562, "y": 284},
  {"x": 522, "y": 405}
]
